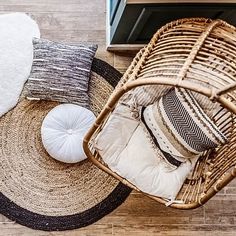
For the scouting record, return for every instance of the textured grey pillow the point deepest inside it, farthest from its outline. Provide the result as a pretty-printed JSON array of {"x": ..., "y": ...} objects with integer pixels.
[{"x": 60, "y": 72}]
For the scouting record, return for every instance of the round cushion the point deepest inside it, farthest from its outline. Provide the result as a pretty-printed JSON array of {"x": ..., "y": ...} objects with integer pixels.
[{"x": 63, "y": 130}]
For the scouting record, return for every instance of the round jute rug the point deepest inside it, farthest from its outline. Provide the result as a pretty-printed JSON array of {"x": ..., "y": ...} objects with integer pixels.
[{"x": 41, "y": 193}]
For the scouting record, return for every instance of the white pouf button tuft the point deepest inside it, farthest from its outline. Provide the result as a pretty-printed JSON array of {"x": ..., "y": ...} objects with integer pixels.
[{"x": 63, "y": 130}]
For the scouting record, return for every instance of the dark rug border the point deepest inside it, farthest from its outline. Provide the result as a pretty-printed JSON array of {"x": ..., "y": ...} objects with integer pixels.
[
  {"x": 106, "y": 70},
  {"x": 69, "y": 222}
]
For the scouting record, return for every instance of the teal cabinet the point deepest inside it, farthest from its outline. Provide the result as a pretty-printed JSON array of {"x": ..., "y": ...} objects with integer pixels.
[
  {"x": 136, "y": 23},
  {"x": 114, "y": 4}
]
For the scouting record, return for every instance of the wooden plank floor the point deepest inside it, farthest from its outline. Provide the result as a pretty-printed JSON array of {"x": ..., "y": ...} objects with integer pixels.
[{"x": 84, "y": 20}]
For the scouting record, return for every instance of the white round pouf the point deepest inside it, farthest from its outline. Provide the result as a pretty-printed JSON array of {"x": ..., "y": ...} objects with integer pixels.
[{"x": 63, "y": 130}]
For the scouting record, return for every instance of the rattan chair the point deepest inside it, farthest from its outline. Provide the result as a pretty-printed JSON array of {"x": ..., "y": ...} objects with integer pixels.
[{"x": 170, "y": 59}]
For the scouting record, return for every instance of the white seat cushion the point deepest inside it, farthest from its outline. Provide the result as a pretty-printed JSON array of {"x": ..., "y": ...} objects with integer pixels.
[
  {"x": 63, "y": 130},
  {"x": 124, "y": 145},
  {"x": 153, "y": 152}
]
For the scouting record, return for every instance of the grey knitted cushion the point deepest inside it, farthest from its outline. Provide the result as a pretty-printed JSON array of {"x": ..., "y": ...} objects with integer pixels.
[{"x": 60, "y": 72}]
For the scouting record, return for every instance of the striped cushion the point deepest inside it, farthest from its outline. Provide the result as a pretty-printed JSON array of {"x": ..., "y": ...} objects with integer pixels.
[
  {"x": 60, "y": 72},
  {"x": 180, "y": 127},
  {"x": 148, "y": 94}
]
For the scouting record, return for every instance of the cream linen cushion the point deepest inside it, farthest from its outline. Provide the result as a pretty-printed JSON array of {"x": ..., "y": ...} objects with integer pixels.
[
  {"x": 146, "y": 169},
  {"x": 125, "y": 146},
  {"x": 116, "y": 133},
  {"x": 159, "y": 150}
]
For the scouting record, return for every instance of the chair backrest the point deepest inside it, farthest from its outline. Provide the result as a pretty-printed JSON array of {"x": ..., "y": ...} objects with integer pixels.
[{"x": 197, "y": 54}]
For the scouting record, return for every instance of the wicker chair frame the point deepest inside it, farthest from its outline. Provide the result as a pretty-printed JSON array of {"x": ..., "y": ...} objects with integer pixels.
[{"x": 170, "y": 59}]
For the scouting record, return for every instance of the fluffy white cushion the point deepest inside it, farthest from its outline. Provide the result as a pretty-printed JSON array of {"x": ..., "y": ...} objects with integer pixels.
[
  {"x": 63, "y": 130},
  {"x": 16, "y": 50}
]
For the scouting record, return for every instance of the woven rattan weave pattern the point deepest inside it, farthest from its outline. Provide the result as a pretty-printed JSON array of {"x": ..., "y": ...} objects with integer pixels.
[{"x": 197, "y": 54}]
